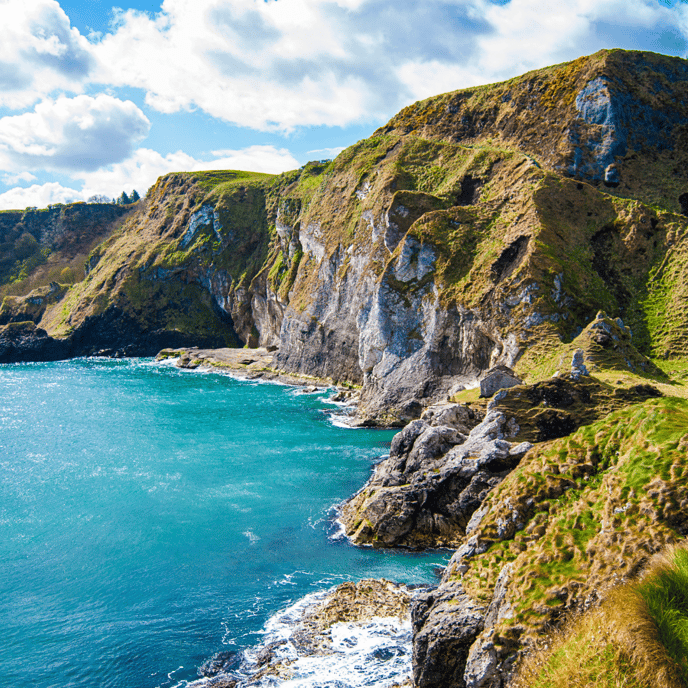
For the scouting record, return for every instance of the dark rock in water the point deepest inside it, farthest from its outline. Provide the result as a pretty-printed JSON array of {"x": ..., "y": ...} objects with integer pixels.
[
  {"x": 498, "y": 378},
  {"x": 220, "y": 662},
  {"x": 221, "y": 682},
  {"x": 23, "y": 341}
]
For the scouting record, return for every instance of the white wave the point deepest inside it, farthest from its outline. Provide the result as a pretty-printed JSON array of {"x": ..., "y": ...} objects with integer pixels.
[
  {"x": 373, "y": 653},
  {"x": 343, "y": 420},
  {"x": 252, "y": 537},
  {"x": 339, "y": 532},
  {"x": 376, "y": 652},
  {"x": 162, "y": 363}
]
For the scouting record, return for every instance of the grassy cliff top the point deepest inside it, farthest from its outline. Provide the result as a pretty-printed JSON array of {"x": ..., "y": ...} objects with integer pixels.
[{"x": 627, "y": 109}]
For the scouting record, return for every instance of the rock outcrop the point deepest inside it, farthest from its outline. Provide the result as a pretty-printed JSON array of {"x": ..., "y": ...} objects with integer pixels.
[
  {"x": 498, "y": 378},
  {"x": 441, "y": 467},
  {"x": 327, "y": 624},
  {"x": 438, "y": 473},
  {"x": 23, "y": 341}
]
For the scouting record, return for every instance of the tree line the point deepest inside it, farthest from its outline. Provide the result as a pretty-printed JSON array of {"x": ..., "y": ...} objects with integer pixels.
[{"x": 123, "y": 199}]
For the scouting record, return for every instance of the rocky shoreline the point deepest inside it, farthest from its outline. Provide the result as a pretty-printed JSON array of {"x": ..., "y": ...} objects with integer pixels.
[
  {"x": 259, "y": 364},
  {"x": 433, "y": 491},
  {"x": 354, "y": 634}
]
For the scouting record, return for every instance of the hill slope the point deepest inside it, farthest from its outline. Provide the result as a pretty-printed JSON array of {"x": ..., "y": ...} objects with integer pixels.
[{"x": 474, "y": 229}]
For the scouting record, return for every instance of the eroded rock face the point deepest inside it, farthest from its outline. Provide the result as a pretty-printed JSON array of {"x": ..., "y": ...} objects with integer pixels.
[
  {"x": 439, "y": 471},
  {"x": 446, "y": 622}
]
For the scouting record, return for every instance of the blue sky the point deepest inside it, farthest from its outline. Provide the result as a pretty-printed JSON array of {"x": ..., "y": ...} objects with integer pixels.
[{"x": 97, "y": 98}]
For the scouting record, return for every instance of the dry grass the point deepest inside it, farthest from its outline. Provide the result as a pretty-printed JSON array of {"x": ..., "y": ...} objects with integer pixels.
[{"x": 634, "y": 639}]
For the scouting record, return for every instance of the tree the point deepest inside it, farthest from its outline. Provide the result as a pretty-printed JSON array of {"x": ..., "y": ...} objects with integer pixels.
[
  {"x": 123, "y": 199},
  {"x": 135, "y": 196}
]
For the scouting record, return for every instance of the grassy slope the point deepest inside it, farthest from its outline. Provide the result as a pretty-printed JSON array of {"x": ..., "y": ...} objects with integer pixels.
[
  {"x": 582, "y": 512},
  {"x": 637, "y": 638}
]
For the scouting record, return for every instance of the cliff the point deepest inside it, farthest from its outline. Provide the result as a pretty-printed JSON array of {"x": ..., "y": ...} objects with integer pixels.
[
  {"x": 475, "y": 229},
  {"x": 41, "y": 243},
  {"x": 531, "y": 233}
]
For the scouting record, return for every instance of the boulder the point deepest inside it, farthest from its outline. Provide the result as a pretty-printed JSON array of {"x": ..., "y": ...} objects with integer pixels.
[
  {"x": 446, "y": 622},
  {"x": 499, "y": 377}
]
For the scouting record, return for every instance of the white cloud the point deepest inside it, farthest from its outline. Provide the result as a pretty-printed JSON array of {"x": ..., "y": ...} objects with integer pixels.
[
  {"x": 225, "y": 56},
  {"x": 327, "y": 152},
  {"x": 527, "y": 34},
  {"x": 10, "y": 179},
  {"x": 39, "y": 196},
  {"x": 280, "y": 65},
  {"x": 145, "y": 166},
  {"x": 80, "y": 133},
  {"x": 141, "y": 171},
  {"x": 39, "y": 52},
  {"x": 254, "y": 159}
]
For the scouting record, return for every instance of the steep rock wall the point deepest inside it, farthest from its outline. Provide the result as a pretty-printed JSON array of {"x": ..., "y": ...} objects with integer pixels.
[{"x": 449, "y": 242}]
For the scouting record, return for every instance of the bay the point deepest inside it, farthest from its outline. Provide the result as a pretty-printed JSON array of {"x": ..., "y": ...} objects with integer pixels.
[{"x": 150, "y": 517}]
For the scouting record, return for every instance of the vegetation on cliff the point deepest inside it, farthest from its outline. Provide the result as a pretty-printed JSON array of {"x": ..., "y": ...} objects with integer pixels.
[{"x": 636, "y": 637}]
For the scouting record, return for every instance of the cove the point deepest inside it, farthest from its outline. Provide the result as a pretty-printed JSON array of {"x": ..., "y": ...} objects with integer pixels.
[{"x": 151, "y": 517}]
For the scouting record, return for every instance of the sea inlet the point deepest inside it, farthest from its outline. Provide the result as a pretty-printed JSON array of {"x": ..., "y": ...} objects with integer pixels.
[{"x": 151, "y": 517}]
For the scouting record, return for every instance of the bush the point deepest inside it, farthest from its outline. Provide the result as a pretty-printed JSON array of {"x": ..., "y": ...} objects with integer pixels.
[
  {"x": 25, "y": 246},
  {"x": 67, "y": 276}
]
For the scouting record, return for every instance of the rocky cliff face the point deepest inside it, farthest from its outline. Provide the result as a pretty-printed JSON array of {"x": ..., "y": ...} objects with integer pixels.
[
  {"x": 463, "y": 235},
  {"x": 579, "y": 515}
]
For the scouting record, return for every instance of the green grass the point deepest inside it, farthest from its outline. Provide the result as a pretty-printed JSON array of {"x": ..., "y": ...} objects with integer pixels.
[
  {"x": 636, "y": 638},
  {"x": 210, "y": 180},
  {"x": 592, "y": 505},
  {"x": 666, "y": 594}
]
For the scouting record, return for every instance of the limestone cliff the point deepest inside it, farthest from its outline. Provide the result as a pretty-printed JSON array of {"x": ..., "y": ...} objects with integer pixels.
[{"x": 475, "y": 229}]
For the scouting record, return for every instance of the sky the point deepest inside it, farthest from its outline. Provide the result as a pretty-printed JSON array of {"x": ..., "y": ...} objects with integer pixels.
[{"x": 96, "y": 98}]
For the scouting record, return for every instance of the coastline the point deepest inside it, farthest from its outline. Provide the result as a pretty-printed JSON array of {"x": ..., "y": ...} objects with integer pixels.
[
  {"x": 304, "y": 644},
  {"x": 258, "y": 365},
  {"x": 276, "y": 591},
  {"x": 356, "y": 632}
]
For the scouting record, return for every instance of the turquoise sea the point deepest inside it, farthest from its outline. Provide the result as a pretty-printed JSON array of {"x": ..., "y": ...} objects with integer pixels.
[{"x": 151, "y": 517}]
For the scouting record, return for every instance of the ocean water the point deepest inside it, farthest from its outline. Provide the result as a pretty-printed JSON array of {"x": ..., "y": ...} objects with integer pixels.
[{"x": 151, "y": 517}]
